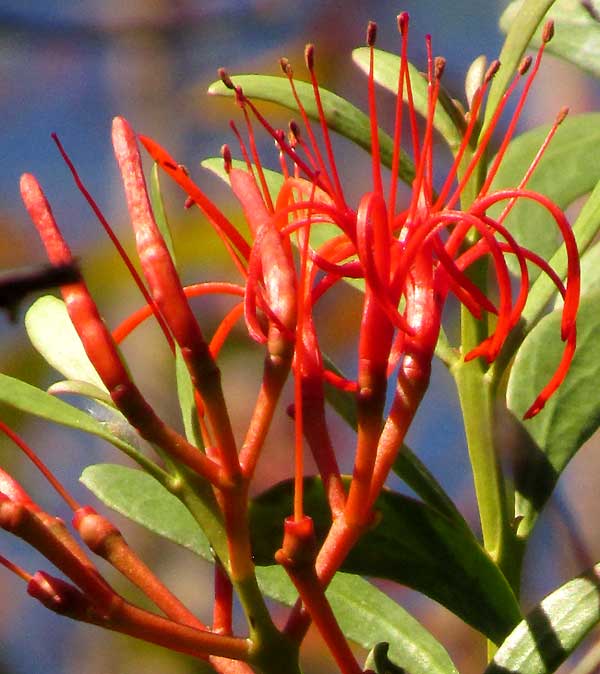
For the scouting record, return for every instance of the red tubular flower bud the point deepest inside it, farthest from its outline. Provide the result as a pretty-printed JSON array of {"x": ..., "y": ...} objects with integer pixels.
[
  {"x": 100, "y": 347},
  {"x": 168, "y": 293}
]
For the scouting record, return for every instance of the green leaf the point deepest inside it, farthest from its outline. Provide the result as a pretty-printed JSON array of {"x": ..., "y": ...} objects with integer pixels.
[
  {"x": 366, "y": 616},
  {"x": 341, "y": 116},
  {"x": 577, "y": 37},
  {"x": 158, "y": 208},
  {"x": 142, "y": 499},
  {"x": 413, "y": 544},
  {"x": 552, "y": 631},
  {"x": 32, "y": 400},
  {"x": 187, "y": 401},
  {"x": 550, "y": 440},
  {"x": 378, "y": 661},
  {"x": 526, "y": 17},
  {"x": 447, "y": 119},
  {"x": 569, "y": 169},
  {"x": 52, "y": 334}
]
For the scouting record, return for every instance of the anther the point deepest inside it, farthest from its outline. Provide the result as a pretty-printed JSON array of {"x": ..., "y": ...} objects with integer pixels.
[
  {"x": 439, "y": 65},
  {"x": 286, "y": 66},
  {"x": 226, "y": 154},
  {"x": 548, "y": 31},
  {"x": 524, "y": 65},
  {"x": 403, "y": 19},
  {"x": 309, "y": 56},
  {"x": 491, "y": 71},
  {"x": 294, "y": 130},
  {"x": 371, "y": 33},
  {"x": 560, "y": 117},
  {"x": 224, "y": 76}
]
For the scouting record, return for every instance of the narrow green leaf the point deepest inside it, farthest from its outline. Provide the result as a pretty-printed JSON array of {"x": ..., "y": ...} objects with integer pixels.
[
  {"x": 52, "y": 334},
  {"x": 550, "y": 440},
  {"x": 158, "y": 209},
  {"x": 141, "y": 498},
  {"x": 341, "y": 116},
  {"x": 187, "y": 401},
  {"x": 32, "y": 400},
  {"x": 577, "y": 36},
  {"x": 552, "y": 631},
  {"x": 366, "y": 616},
  {"x": 526, "y": 18},
  {"x": 413, "y": 545},
  {"x": 447, "y": 120},
  {"x": 569, "y": 169}
]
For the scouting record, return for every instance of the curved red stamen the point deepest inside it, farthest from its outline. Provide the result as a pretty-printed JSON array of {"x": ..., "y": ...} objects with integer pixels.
[
  {"x": 557, "y": 378},
  {"x": 196, "y": 290},
  {"x": 225, "y": 327}
]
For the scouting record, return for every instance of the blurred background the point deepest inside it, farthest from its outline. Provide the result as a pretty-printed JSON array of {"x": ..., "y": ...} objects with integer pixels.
[{"x": 69, "y": 67}]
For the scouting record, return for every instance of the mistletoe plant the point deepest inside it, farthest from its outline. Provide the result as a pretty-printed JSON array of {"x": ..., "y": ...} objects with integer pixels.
[{"x": 491, "y": 233}]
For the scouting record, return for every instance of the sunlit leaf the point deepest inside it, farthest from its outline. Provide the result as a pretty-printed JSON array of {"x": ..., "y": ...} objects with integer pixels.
[
  {"x": 142, "y": 499},
  {"x": 552, "y": 631},
  {"x": 54, "y": 337}
]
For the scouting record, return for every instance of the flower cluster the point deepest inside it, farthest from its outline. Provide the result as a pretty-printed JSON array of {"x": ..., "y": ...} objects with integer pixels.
[{"x": 410, "y": 259}]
